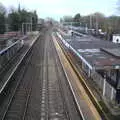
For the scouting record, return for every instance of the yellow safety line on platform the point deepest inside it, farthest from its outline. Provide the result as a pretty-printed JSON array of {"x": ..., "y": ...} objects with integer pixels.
[{"x": 72, "y": 75}]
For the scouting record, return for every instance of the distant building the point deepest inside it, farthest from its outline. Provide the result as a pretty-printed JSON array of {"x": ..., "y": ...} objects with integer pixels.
[{"x": 40, "y": 23}]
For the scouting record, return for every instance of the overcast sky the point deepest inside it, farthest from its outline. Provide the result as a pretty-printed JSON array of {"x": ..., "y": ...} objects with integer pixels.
[{"x": 59, "y": 8}]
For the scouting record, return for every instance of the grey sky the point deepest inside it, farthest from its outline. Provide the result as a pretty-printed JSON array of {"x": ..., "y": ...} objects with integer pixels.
[{"x": 59, "y": 8}]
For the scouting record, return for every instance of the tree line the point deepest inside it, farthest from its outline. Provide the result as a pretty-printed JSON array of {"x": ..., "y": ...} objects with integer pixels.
[
  {"x": 97, "y": 20},
  {"x": 13, "y": 20}
]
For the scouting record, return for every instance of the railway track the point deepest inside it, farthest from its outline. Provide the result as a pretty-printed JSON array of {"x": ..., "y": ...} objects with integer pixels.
[
  {"x": 18, "y": 99},
  {"x": 53, "y": 105},
  {"x": 55, "y": 98},
  {"x": 16, "y": 91},
  {"x": 70, "y": 106},
  {"x": 42, "y": 90},
  {"x": 47, "y": 100}
]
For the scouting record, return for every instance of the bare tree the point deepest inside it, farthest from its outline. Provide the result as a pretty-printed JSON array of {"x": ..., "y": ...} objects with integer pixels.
[{"x": 2, "y": 18}]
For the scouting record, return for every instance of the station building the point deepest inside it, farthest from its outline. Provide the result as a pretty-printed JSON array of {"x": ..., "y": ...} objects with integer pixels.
[{"x": 100, "y": 60}]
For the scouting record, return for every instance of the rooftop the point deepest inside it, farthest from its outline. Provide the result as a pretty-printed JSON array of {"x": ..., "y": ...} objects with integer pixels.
[{"x": 98, "y": 53}]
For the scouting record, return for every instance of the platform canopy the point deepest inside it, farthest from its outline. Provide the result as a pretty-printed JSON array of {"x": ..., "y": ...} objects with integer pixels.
[
  {"x": 100, "y": 59},
  {"x": 100, "y": 54}
]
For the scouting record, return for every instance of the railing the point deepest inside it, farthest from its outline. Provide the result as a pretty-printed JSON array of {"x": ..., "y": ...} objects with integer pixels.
[{"x": 7, "y": 53}]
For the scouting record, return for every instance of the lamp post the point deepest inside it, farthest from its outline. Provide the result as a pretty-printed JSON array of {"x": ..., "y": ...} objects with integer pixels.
[
  {"x": 31, "y": 23},
  {"x": 22, "y": 28},
  {"x": 96, "y": 24},
  {"x": 90, "y": 21}
]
